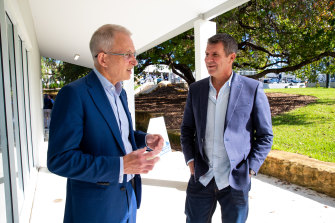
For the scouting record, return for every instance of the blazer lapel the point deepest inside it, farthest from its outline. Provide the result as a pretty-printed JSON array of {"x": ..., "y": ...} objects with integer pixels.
[
  {"x": 235, "y": 91},
  {"x": 123, "y": 98},
  {"x": 203, "y": 104},
  {"x": 100, "y": 99}
]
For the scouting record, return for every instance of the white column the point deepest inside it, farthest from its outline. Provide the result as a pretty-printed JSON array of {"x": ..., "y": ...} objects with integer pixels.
[
  {"x": 129, "y": 88},
  {"x": 202, "y": 31}
]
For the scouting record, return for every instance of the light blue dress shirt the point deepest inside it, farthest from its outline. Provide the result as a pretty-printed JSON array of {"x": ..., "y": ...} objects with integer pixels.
[
  {"x": 219, "y": 165},
  {"x": 113, "y": 95}
]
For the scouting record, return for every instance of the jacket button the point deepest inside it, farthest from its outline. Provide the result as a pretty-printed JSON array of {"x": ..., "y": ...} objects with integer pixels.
[{"x": 122, "y": 188}]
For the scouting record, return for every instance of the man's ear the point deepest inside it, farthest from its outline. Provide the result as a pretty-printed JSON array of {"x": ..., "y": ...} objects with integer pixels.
[
  {"x": 232, "y": 57},
  {"x": 101, "y": 59}
]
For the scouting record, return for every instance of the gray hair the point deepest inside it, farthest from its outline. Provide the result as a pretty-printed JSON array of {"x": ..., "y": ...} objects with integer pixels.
[
  {"x": 103, "y": 38},
  {"x": 228, "y": 42}
]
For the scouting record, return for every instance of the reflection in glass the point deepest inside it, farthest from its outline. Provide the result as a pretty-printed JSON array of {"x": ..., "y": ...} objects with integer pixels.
[
  {"x": 22, "y": 118},
  {"x": 30, "y": 140},
  {"x": 15, "y": 112}
]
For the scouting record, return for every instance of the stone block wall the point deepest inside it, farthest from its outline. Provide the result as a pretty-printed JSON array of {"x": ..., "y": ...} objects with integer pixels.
[{"x": 301, "y": 170}]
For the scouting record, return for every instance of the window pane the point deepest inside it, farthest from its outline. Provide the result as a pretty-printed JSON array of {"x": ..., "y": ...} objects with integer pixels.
[
  {"x": 14, "y": 103},
  {"x": 25, "y": 104},
  {"x": 30, "y": 139},
  {"x": 22, "y": 118}
]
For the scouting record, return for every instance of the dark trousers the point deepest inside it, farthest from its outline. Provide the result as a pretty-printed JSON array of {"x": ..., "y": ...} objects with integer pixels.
[{"x": 201, "y": 203}]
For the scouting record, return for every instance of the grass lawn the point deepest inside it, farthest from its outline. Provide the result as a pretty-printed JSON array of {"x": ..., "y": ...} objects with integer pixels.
[{"x": 309, "y": 130}]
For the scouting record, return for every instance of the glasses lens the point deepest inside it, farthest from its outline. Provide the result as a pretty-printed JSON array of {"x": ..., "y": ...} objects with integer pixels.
[{"x": 129, "y": 55}]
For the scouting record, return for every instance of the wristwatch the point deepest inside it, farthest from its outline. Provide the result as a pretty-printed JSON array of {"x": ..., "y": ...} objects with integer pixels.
[{"x": 252, "y": 172}]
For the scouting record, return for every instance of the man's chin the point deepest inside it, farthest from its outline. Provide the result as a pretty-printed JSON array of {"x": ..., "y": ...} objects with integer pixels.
[{"x": 211, "y": 72}]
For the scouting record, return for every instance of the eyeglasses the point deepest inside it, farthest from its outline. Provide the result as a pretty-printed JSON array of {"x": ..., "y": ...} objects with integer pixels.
[{"x": 126, "y": 56}]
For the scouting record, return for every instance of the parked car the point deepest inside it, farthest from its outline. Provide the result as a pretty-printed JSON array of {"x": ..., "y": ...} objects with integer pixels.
[
  {"x": 271, "y": 81},
  {"x": 294, "y": 81}
]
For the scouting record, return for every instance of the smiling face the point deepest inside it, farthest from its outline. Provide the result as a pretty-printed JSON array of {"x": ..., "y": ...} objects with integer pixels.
[
  {"x": 117, "y": 68},
  {"x": 219, "y": 65}
]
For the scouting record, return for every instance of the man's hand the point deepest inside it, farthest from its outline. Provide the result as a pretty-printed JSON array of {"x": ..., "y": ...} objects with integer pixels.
[
  {"x": 191, "y": 166},
  {"x": 155, "y": 142},
  {"x": 139, "y": 161}
]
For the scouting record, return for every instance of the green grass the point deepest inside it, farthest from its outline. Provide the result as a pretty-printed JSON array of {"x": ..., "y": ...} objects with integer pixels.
[{"x": 309, "y": 130}]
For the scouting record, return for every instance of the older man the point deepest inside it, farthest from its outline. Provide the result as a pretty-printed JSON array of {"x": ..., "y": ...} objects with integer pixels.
[{"x": 92, "y": 141}]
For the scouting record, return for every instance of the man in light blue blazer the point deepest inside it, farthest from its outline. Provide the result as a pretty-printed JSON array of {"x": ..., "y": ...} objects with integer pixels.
[
  {"x": 92, "y": 141},
  {"x": 226, "y": 135}
]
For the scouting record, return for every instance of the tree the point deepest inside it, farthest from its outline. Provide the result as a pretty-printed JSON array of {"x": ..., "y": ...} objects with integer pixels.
[
  {"x": 273, "y": 36},
  {"x": 281, "y": 35},
  {"x": 57, "y": 73},
  {"x": 177, "y": 53},
  {"x": 70, "y": 72},
  {"x": 49, "y": 71}
]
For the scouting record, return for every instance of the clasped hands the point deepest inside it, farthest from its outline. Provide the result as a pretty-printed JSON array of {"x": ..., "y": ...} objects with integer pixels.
[{"x": 140, "y": 161}]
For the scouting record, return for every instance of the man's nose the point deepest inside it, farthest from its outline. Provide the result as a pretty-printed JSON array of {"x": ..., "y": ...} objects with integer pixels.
[
  {"x": 133, "y": 61},
  {"x": 208, "y": 59}
]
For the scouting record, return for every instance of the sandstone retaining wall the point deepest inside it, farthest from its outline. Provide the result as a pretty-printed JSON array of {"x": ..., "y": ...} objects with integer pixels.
[{"x": 301, "y": 170}]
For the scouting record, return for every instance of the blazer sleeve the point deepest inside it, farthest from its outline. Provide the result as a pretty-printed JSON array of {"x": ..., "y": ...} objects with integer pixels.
[
  {"x": 140, "y": 139},
  {"x": 188, "y": 129},
  {"x": 263, "y": 135},
  {"x": 65, "y": 157}
]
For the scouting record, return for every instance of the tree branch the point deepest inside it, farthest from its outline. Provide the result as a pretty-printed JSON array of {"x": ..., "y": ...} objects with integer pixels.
[
  {"x": 258, "y": 67},
  {"x": 246, "y": 43},
  {"x": 294, "y": 67}
]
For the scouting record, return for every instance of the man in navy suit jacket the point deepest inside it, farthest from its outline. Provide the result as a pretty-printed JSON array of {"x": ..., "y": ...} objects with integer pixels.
[
  {"x": 92, "y": 141},
  {"x": 226, "y": 135}
]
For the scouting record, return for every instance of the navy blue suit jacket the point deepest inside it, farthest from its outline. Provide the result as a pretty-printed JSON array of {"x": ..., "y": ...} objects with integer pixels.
[
  {"x": 247, "y": 134},
  {"x": 85, "y": 146}
]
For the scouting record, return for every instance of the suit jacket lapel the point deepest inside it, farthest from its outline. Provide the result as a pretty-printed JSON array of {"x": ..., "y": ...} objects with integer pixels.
[
  {"x": 203, "y": 104},
  {"x": 124, "y": 102},
  {"x": 123, "y": 98},
  {"x": 235, "y": 91},
  {"x": 101, "y": 101}
]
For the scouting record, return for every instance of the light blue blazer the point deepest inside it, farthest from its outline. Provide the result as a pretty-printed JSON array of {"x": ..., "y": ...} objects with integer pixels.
[{"x": 247, "y": 134}]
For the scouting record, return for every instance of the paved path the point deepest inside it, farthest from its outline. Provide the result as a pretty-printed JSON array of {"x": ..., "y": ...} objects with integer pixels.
[{"x": 271, "y": 200}]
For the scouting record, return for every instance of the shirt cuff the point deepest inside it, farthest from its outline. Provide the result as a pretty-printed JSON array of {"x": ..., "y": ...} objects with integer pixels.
[
  {"x": 189, "y": 161},
  {"x": 252, "y": 172},
  {"x": 121, "y": 170}
]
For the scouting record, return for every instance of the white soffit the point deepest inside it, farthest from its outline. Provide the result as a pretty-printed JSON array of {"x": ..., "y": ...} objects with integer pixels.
[{"x": 64, "y": 27}]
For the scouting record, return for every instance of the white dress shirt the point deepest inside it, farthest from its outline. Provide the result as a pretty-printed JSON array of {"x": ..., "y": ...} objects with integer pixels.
[
  {"x": 219, "y": 165},
  {"x": 113, "y": 95}
]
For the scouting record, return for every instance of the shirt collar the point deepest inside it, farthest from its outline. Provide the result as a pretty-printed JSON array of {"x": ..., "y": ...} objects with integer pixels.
[
  {"x": 227, "y": 84},
  {"x": 108, "y": 85}
]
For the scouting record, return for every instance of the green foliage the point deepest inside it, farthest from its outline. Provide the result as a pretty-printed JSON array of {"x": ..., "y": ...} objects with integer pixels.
[
  {"x": 49, "y": 72},
  {"x": 281, "y": 36},
  {"x": 309, "y": 130},
  {"x": 55, "y": 73},
  {"x": 71, "y": 72},
  {"x": 273, "y": 36},
  {"x": 177, "y": 53}
]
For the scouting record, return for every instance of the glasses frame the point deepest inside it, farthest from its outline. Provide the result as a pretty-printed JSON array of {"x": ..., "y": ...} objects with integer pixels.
[{"x": 126, "y": 56}]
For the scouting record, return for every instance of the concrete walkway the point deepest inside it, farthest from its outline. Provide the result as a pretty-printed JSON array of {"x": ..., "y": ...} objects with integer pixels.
[{"x": 271, "y": 200}]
